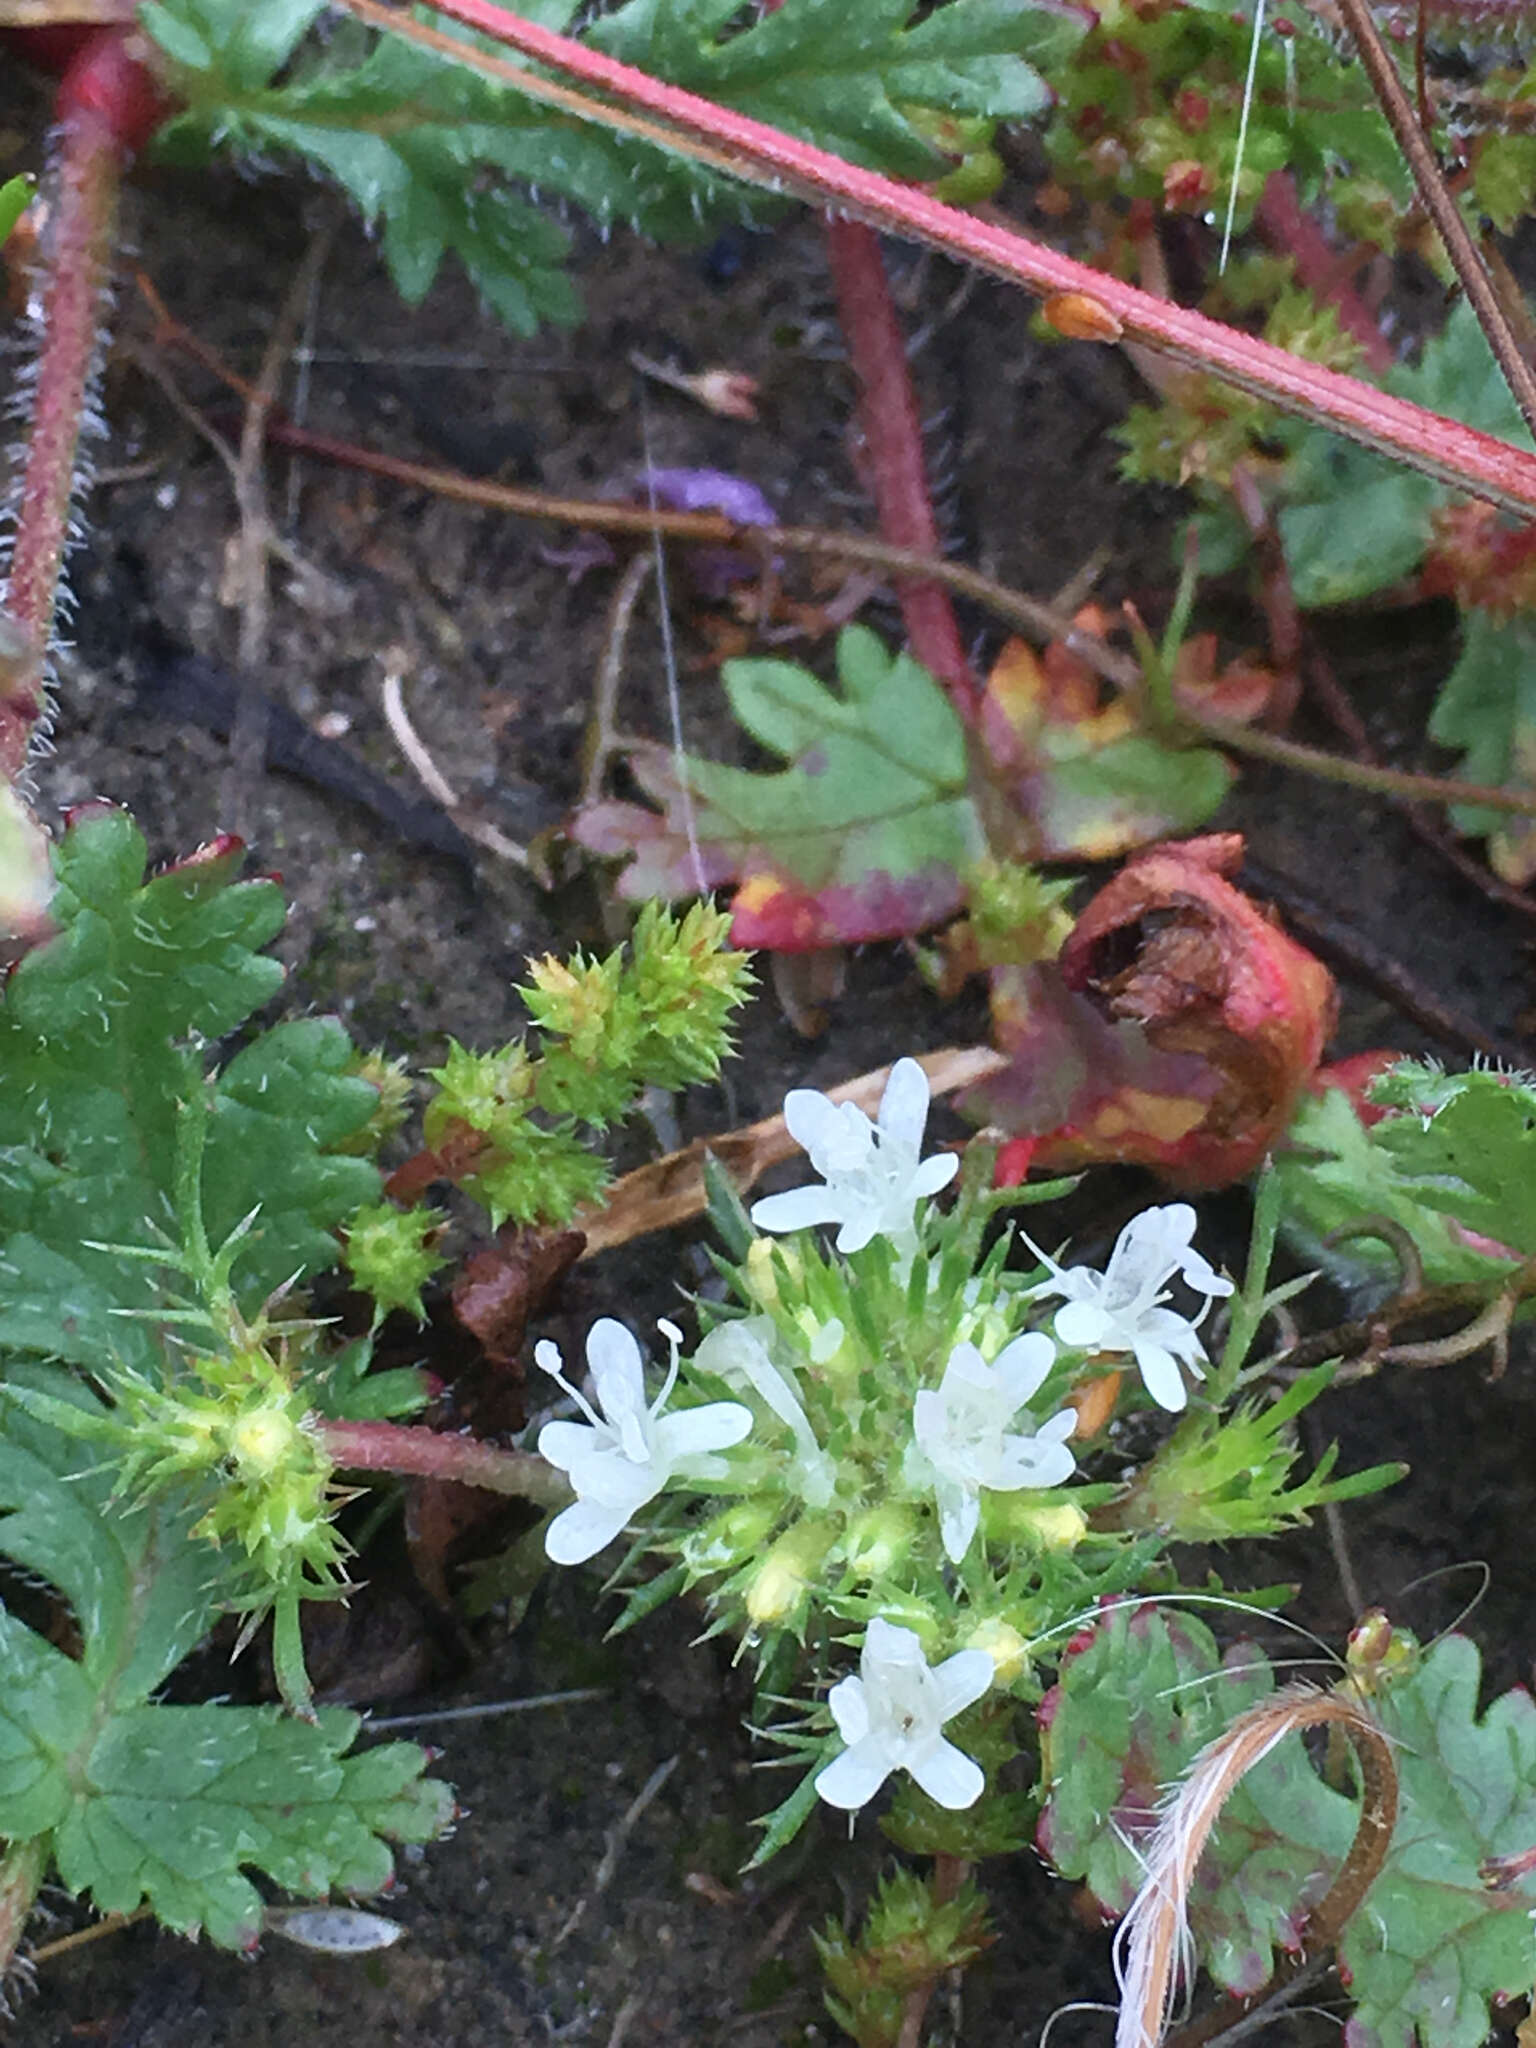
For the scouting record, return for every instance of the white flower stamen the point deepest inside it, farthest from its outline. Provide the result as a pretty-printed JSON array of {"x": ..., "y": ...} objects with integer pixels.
[
  {"x": 1121, "y": 1309},
  {"x": 891, "y": 1717},
  {"x": 874, "y": 1173},
  {"x": 961, "y": 1432},
  {"x": 621, "y": 1458}
]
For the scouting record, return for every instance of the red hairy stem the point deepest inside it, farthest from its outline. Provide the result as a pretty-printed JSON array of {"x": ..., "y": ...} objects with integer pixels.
[
  {"x": 663, "y": 114},
  {"x": 1286, "y": 225},
  {"x": 108, "y": 103},
  {"x": 431, "y": 1454},
  {"x": 22, "y": 1870},
  {"x": 893, "y": 445}
]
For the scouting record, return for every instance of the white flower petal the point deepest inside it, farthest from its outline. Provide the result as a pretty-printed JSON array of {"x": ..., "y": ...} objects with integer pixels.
[
  {"x": 904, "y": 1105},
  {"x": 1023, "y": 1365},
  {"x": 581, "y": 1531},
  {"x": 564, "y": 1444},
  {"x": 798, "y": 1208},
  {"x": 691, "y": 1432},
  {"x": 1161, "y": 1377},
  {"x": 850, "y": 1709},
  {"x": 1036, "y": 1462},
  {"x": 860, "y": 1227},
  {"x": 1175, "y": 1333},
  {"x": 933, "y": 1174},
  {"x": 809, "y": 1117},
  {"x": 947, "y": 1774},
  {"x": 618, "y": 1370},
  {"x": 959, "y": 1512},
  {"x": 1082, "y": 1326},
  {"x": 963, "y": 1679},
  {"x": 890, "y": 1648},
  {"x": 852, "y": 1779}
]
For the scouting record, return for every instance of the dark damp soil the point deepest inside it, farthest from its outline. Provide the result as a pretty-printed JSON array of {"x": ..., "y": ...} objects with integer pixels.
[{"x": 591, "y": 1892}]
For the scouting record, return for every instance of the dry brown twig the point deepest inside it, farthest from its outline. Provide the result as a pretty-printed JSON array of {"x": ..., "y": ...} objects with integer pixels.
[{"x": 670, "y": 1191}]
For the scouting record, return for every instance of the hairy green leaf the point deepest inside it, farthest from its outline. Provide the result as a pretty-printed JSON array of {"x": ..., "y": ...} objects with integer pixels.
[
  {"x": 1453, "y": 1162},
  {"x": 1352, "y": 523},
  {"x": 101, "y": 1035},
  {"x": 448, "y": 162},
  {"x": 840, "y": 75}
]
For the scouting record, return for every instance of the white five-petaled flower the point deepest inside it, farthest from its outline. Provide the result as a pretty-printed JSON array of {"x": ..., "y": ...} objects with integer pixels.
[
  {"x": 892, "y": 1717},
  {"x": 961, "y": 1429},
  {"x": 1121, "y": 1309},
  {"x": 873, "y": 1172},
  {"x": 619, "y": 1459}
]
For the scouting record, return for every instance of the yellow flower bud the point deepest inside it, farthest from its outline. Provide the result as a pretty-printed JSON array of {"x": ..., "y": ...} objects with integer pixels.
[
  {"x": 1058, "y": 1525},
  {"x": 1004, "y": 1645},
  {"x": 262, "y": 1442},
  {"x": 779, "y": 1588},
  {"x": 879, "y": 1539}
]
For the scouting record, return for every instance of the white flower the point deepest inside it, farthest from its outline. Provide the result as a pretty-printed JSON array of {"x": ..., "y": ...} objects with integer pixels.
[
  {"x": 736, "y": 1353},
  {"x": 1121, "y": 1308},
  {"x": 622, "y": 1458},
  {"x": 873, "y": 1172},
  {"x": 892, "y": 1717},
  {"x": 961, "y": 1429}
]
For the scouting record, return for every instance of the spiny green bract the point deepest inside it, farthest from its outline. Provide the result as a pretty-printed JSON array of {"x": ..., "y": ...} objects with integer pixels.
[
  {"x": 390, "y": 1255},
  {"x": 133, "y": 1801},
  {"x": 435, "y": 153},
  {"x": 1221, "y": 1477},
  {"x": 656, "y": 1015},
  {"x": 911, "y": 1938}
]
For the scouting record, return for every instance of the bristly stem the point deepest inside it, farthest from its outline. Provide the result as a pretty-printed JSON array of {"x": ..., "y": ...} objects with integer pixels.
[
  {"x": 635, "y": 104},
  {"x": 406, "y": 1448},
  {"x": 893, "y": 444},
  {"x": 1402, "y": 118},
  {"x": 107, "y": 102}
]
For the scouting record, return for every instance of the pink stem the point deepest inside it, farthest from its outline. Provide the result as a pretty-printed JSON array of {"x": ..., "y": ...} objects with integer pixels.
[
  {"x": 1285, "y": 225},
  {"x": 107, "y": 103},
  {"x": 431, "y": 1454},
  {"x": 1443, "y": 448},
  {"x": 893, "y": 442}
]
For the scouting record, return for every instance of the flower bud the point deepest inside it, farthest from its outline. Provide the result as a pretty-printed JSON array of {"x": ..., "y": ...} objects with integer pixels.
[
  {"x": 879, "y": 1539},
  {"x": 1004, "y": 1645},
  {"x": 761, "y": 1276},
  {"x": 1042, "y": 1523},
  {"x": 729, "y": 1538},
  {"x": 777, "y": 1593}
]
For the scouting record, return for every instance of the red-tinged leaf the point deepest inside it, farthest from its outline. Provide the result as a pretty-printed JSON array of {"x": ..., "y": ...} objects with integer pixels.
[
  {"x": 1089, "y": 782},
  {"x": 1185, "y": 1025},
  {"x": 1075, "y": 1070},
  {"x": 773, "y": 913},
  {"x": 864, "y": 835}
]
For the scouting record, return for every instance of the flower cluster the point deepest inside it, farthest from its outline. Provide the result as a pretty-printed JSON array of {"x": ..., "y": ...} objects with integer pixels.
[{"x": 884, "y": 1433}]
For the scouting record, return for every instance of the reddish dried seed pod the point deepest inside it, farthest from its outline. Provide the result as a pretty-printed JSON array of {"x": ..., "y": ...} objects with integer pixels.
[{"x": 1081, "y": 318}]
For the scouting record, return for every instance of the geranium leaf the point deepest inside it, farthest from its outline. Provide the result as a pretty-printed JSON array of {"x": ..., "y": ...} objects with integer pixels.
[
  {"x": 1453, "y": 1161},
  {"x": 1090, "y": 784},
  {"x": 1445, "y": 1926},
  {"x": 863, "y": 836}
]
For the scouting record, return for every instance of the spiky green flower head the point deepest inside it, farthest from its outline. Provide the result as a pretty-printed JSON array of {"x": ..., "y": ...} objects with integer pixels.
[
  {"x": 391, "y": 1256},
  {"x": 234, "y": 1427}
]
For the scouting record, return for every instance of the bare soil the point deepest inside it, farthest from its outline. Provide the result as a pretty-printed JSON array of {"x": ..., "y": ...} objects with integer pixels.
[{"x": 563, "y": 1909}]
